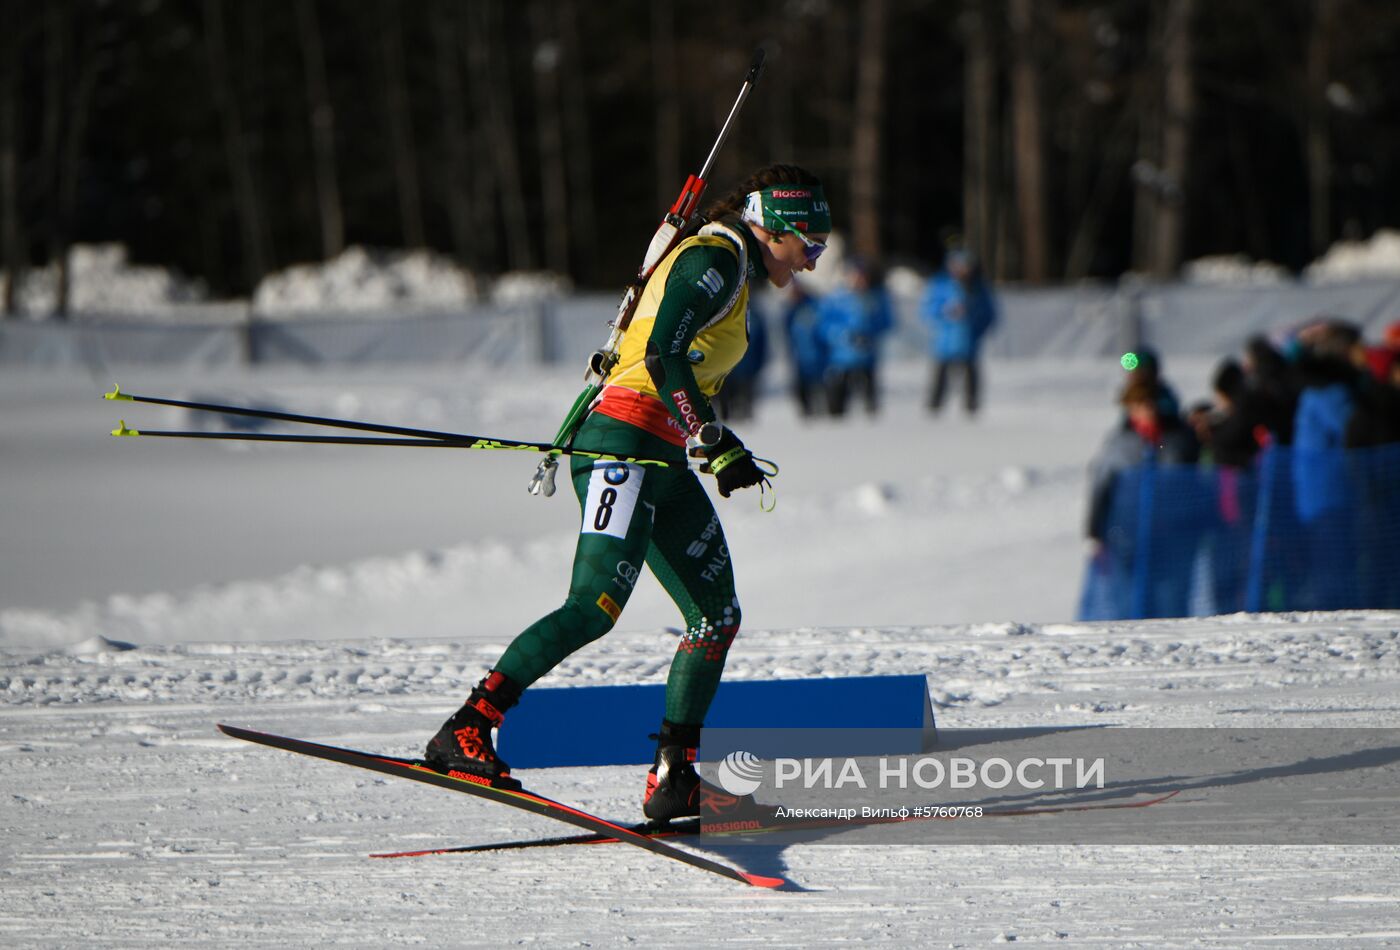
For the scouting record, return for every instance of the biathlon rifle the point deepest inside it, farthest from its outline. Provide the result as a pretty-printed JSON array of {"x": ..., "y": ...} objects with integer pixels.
[{"x": 668, "y": 235}]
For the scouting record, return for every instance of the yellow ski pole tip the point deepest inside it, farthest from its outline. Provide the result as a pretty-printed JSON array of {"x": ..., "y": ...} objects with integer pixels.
[
  {"x": 116, "y": 393},
  {"x": 123, "y": 430}
]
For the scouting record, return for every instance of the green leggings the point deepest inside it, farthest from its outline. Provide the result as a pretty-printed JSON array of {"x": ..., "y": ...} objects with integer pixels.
[{"x": 635, "y": 514}]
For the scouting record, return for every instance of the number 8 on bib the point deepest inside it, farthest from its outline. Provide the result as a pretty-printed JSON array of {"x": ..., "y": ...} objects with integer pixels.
[{"x": 613, "y": 489}]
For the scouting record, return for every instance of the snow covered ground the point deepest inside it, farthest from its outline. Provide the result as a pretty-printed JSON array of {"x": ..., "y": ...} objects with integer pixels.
[{"x": 149, "y": 589}]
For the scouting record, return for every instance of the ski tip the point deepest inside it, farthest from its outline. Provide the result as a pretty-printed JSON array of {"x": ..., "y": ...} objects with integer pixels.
[
  {"x": 759, "y": 880},
  {"x": 116, "y": 393},
  {"x": 121, "y": 430}
]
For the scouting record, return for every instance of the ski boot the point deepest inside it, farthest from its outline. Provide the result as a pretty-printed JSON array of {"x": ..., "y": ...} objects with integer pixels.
[
  {"x": 675, "y": 789},
  {"x": 463, "y": 749}
]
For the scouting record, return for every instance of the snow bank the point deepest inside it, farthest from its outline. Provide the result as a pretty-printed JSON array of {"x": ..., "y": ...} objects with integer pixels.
[
  {"x": 366, "y": 281},
  {"x": 1379, "y": 256},
  {"x": 102, "y": 280},
  {"x": 1234, "y": 270},
  {"x": 524, "y": 287}
]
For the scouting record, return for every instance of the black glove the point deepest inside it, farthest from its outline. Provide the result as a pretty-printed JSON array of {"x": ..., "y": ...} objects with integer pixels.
[{"x": 727, "y": 459}]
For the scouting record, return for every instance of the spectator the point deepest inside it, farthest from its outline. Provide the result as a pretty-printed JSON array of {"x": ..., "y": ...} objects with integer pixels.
[
  {"x": 1323, "y": 495},
  {"x": 737, "y": 398},
  {"x": 1155, "y": 582},
  {"x": 802, "y": 328},
  {"x": 1238, "y": 430},
  {"x": 1235, "y": 435},
  {"x": 959, "y": 311},
  {"x": 1376, "y": 417},
  {"x": 1147, "y": 369},
  {"x": 1272, "y": 384},
  {"x": 1201, "y": 417},
  {"x": 1374, "y": 428},
  {"x": 853, "y": 320}
]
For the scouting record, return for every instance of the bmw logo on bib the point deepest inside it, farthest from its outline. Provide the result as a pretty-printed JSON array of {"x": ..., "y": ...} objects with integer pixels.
[{"x": 616, "y": 473}]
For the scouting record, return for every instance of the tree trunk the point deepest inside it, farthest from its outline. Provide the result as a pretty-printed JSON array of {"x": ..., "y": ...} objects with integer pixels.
[
  {"x": 57, "y": 41},
  {"x": 11, "y": 233},
  {"x": 779, "y": 96},
  {"x": 492, "y": 91},
  {"x": 1146, "y": 167},
  {"x": 1179, "y": 112},
  {"x": 869, "y": 123},
  {"x": 979, "y": 130},
  {"x": 1029, "y": 148},
  {"x": 1113, "y": 158},
  {"x": 401, "y": 140},
  {"x": 321, "y": 121},
  {"x": 1319, "y": 143},
  {"x": 578, "y": 158},
  {"x": 471, "y": 246},
  {"x": 79, "y": 111},
  {"x": 549, "y": 131},
  {"x": 666, "y": 95},
  {"x": 835, "y": 105},
  {"x": 247, "y": 204}
]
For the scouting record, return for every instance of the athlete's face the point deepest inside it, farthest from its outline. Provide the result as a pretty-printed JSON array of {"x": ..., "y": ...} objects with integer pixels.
[{"x": 785, "y": 253}]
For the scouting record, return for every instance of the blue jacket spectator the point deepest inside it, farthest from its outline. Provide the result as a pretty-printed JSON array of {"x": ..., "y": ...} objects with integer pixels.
[
  {"x": 1319, "y": 469},
  {"x": 802, "y": 327},
  {"x": 959, "y": 312},
  {"x": 852, "y": 322},
  {"x": 1323, "y": 493}
]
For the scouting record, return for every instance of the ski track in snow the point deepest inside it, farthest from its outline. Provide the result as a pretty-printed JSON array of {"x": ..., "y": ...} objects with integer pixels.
[{"x": 130, "y": 822}]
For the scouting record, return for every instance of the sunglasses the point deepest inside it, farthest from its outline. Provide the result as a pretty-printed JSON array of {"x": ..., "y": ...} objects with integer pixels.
[{"x": 812, "y": 249}]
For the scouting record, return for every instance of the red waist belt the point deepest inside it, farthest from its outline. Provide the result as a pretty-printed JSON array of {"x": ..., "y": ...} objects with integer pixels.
[{"x": 643, "y": 411}]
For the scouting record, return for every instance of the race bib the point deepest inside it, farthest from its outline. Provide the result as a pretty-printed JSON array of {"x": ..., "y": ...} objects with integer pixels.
[{"x": 613, "y": 489}]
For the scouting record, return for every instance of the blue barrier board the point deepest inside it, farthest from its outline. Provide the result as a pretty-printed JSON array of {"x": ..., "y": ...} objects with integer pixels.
[{"x": 610, "y": 725}]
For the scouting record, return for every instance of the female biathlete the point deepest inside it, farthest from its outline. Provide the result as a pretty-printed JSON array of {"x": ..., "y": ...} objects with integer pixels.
[{"x": 688, "y": 331}]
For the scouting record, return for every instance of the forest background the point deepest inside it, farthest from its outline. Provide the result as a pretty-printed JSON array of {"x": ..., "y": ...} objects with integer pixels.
[{"x": 1063, "y": 139}]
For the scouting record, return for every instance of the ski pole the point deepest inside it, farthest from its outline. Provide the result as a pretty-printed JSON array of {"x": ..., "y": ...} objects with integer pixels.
[
  {"x": 456, "y": 442},
  {"x": 601, "y": 362},
  {"x": 118, "y": 395}
]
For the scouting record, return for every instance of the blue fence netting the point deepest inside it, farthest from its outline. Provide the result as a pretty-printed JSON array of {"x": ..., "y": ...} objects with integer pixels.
[{"x": 1298, "y": 530}]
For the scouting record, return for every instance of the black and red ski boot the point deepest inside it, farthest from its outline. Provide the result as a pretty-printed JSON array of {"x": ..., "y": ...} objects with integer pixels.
[
  {"x": 463, "y": 748},
  {"x": 675, "y": 789}
]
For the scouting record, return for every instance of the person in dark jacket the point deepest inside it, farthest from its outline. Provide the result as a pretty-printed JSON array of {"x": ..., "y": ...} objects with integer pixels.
[
  {"x": 1139, "y": 445},
  {"x": 959, "y": 310},
  {"x": 1272, "y": 383},
  {"x": 1376, "y": 418},
  {"x": 1145, "y": 433},
  {"x": 1236, "y": 433},
  {"x": 1145, "y": 366},
  {"x": 1238, "y": 430},
  {"x": 1374, "y": 431}
]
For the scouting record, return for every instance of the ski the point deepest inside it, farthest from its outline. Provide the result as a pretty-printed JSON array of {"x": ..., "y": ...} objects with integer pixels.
[
  {"x": 521, "y": 799},
  {"x": 693, "y": 828},
  {"x": 650, "y": 829}
]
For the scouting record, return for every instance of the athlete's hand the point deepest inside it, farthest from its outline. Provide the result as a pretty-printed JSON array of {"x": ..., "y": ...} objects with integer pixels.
[{"x": 726, "y": 458}]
